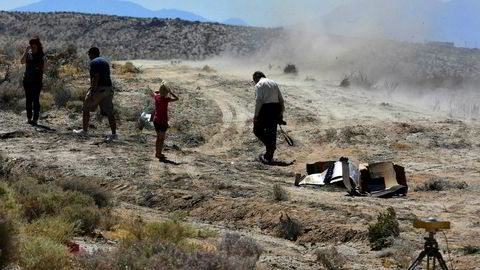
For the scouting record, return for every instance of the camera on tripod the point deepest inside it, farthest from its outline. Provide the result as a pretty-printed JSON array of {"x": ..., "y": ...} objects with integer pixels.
[
  {"x": 431, "y": 225},
  {"x": 430, "y": 252}
]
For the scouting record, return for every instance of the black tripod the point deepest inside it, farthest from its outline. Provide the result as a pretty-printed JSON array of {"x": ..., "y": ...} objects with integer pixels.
[{"x": 432, "y": 253}]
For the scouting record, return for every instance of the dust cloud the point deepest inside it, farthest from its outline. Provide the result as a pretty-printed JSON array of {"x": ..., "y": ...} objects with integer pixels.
[{"x": 387, "y": 47}]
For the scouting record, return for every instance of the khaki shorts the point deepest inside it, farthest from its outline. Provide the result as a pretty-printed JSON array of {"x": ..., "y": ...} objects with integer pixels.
[{"x": 103, "y": 97}]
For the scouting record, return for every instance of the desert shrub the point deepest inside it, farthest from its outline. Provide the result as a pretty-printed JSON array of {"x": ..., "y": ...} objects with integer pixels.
[
  {"x": 159, "y": 254},
  {"x": 289, "y": 228},
  {"x": 207, "y": 68},
  {"x": 53, "y": 228},
  {"x": 279, "y": 193},
  {"x": 87, "y": 218},
  {"x": 171, "y": 231},
  {"x": 362, "y": 80},
  {"x": 330, "y": 259},
  {"x": 469, "y": 250},
  {"x": 46, "y": 101},
  {"x": 78, "y": 93},
  {"x": 290, "y": 69},
  {"x": 383, "y": 233},
  {"x": 403, "y": 253},
  {"x": 441, "y": 184},
  {"x": 234, "y": 245},
  {"x": 100, "y": 195},
  {"x": 7, "y": 245},
  {"x": 345, "y": 82},
  {"x": 75, "y": 105},
  {"x": 38, "y": 200},
  {"x": 38, "y": 253},
  {"x": 10, "y": 93},
  {"x": 128, "y": 68},
  {"x": 62, "y": 96}
]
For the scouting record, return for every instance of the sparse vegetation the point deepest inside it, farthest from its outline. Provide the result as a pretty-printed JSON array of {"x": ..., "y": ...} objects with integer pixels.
[
  {"x": 127, "y": 68},
  {"x": 441, "y": 184},
  {"x": 469, "y": 250},
  {"x": 85, "y": 186},
  {"x": 279, "y": 193},
  {"x": 330, "y": 258},
  {"x": 7, "y": 233},
  {"x": 345, "y": 82},
  {"x": 175, "y": 245},
  {"x": 383, "y": 233},
  {"x": 362, "y": 80},
  {"x": 290, "y": 69},
  {"x": 46, "y": 101},
  {"x": 41, "y": 253},
  {"x": 289, "y": 228}
]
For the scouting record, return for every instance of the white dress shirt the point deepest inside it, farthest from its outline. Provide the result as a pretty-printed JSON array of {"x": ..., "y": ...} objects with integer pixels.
[{"x": 267, "y": 91}]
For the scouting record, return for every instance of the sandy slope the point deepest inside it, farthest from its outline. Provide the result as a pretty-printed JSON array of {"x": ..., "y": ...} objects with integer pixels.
[{"x": 221, "y": 186}]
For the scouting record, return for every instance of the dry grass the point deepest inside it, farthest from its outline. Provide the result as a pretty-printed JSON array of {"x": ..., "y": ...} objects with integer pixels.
[
  {"x": 127, "y": 68},
  {"x": 331, "y": 259},
  {"x": 46, "y": 101},
  {"x": 279, "y": 193},
  {"x": 289, "y": 228}
]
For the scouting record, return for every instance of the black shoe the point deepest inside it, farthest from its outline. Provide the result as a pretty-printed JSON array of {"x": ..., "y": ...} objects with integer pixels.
[{"x": 264, "y": 160}]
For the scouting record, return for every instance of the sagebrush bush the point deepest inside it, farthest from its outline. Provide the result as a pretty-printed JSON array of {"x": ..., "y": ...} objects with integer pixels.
[
  {"x": 38, "y": 200},
  {"x": 235, "y": 253},
  {"x": 53, "y": 228},
  {"x": 289, "y": 228},
  {"x": 39, "y": 253},
  {"x": 290, "y": 69},
  {"x": 78, "y": 93},
  {"x": 468, "y": 250},
  {"x": 171, "y": 231},
  {"x": 127, "y": 68},
  {"x": 383, "y": 233},
  {"x": 62, "y": 96},
  {"x": 74, "y": 105},
  {"x": 87, "y": 218},
  {"x": 7, "y": 242},
  {"x": 235, "y": 245},
  {"x": 441, "y": 184},
  {"x": 100, "y": 195},
  {"x": 46, "y": 101},
  {"x": 330, "y": 258},
  {"x": 10, "y": 93},
  {"x": 279, "y": 193}
]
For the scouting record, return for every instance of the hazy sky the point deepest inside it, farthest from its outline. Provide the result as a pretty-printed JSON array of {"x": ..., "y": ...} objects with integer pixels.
[{"x": 255, "y": 12}]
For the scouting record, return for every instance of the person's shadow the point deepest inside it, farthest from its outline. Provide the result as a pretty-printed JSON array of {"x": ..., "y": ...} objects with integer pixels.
[
  {"x": 43, "y": 128},
  {"x": 170, "y": 162}
]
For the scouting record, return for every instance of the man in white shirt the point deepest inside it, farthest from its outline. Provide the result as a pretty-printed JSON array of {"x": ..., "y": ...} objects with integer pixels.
[{"x": 269, "y": 108}]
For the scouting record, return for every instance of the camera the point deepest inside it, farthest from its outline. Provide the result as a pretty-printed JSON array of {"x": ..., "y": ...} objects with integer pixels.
[{"x": 431, "y": 224}]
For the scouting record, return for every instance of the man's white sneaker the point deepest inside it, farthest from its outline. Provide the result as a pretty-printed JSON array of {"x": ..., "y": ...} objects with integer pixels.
[
  {"x": 111, "y": 137},
  {"x": 80, "y": 132}
]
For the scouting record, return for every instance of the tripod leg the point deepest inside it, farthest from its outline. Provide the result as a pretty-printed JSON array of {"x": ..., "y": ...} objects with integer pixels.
[
  {"x": 418, "y": 261},
  {"x": 442, "y": 263}
]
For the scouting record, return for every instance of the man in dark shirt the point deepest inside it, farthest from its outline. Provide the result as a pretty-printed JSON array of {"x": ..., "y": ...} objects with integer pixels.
[{"x": 100, "y": 93}]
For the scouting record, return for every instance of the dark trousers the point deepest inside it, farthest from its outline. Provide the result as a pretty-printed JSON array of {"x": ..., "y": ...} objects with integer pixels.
[
  {"x": 32, "y": 97},
  {"x": 266, "y": 127}
]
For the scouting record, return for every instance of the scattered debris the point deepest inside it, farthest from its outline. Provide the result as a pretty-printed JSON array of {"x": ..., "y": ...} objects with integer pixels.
[{"x": 382, "y": 180}]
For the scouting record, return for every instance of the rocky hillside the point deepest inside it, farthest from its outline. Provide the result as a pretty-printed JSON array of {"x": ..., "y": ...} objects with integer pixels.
[{"x": 128, "y": 38}]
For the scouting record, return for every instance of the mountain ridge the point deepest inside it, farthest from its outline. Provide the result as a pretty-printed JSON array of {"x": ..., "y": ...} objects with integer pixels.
[{"x": 118, "y": 8}]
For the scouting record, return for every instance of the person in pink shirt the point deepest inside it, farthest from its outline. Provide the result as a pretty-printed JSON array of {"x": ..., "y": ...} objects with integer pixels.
[{"x": 160, "y": 116}]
